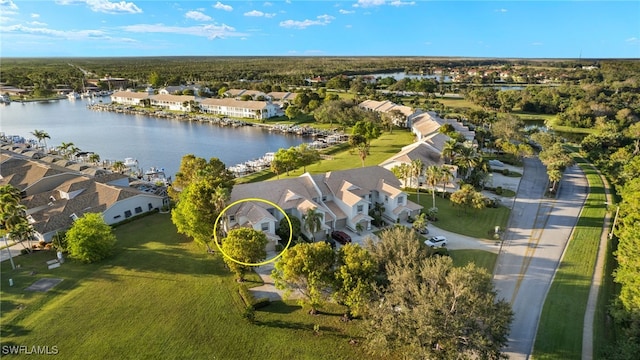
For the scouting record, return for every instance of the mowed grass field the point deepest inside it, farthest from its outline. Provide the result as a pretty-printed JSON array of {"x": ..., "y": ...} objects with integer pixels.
[
  {"x": 160, "y": 296},
  {"x": 562, "y": 319},
  {"x": 476, "y": 223}
]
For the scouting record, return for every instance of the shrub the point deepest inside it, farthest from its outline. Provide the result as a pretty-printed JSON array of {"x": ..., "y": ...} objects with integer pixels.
[
  {"x": 246, "y": 295},
  {"x": 499, "y": 190},
  {"x": 249, "y": 314},
  {"x": 505, "y": 172},
  {"x": 279, "y": 247}
]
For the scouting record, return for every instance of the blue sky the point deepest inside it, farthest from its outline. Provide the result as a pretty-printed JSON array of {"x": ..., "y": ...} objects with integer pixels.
[{"x": 520, "y": 29}]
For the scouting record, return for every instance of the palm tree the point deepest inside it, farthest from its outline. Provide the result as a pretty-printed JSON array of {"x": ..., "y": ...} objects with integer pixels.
[
  {"x": 468, "y": 158},
  {"x": 73, "y": 150},
  {"x": 445, "y": 176},
  {"x": 41, "y": 135},
  {"x": 416, "y": 170},
  {"x": 450, "y": 150},
  {"x": 555, "y": 176},
  {"x": 118, "y": 166},
  {"x": 22, "y": 231},
  {"x": 401, "y": 172},
  {"x": 420, "y": 222},
  {"x": 94, "y": 158},
  {"x": 64, "y": 148},
  {"x": 313, "y": 221},
  {"x": 433, "y": 175}
]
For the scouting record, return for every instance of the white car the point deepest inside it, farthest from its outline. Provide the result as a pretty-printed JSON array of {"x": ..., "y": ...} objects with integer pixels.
[{"x": 436, "y": 241}]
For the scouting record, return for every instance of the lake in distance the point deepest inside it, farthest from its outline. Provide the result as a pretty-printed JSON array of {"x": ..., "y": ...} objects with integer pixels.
[{"x": 154, "y": 142}]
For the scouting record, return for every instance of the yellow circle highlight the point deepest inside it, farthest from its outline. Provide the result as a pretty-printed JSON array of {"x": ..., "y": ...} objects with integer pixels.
[{"x": 215, "y": 231}]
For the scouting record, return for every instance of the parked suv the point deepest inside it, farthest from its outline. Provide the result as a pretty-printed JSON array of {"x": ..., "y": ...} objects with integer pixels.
[
  {"x": 436, "y": 241},
  {"x": 341, "y": 237}
]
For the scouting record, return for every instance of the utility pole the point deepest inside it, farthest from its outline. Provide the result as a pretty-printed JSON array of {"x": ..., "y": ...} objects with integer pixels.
[{"x": 615, "y": 221}]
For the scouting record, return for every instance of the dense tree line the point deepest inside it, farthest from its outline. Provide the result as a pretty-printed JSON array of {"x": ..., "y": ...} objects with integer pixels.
[{"x": 616, "y": 151}]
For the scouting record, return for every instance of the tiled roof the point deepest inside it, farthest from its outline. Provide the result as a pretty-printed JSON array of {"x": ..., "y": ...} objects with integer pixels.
[
  {"x": 172, "y": 98},
  {"x": 424, "y": 151}
]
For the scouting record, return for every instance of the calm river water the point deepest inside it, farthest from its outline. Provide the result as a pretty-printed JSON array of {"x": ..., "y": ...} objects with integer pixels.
[{"x": 152, "y": 141}]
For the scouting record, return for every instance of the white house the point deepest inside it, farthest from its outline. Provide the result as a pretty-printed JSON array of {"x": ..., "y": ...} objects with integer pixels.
[
  {"x": 407, "y": 114},
  {"x": 172, "y": 102},
  {"x": 129, "y": 97},
  {"x": 55, "y": 196},
  {"x": 240, "y": 109},
  {"x": 341, "y": 199}
]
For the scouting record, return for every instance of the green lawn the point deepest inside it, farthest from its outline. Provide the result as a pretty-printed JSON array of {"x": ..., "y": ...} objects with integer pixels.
[
  {"x": 159, "y": 296},
  {"x": 561, "y": 322},
  {"x": 345, "y": 158},
  {"x": 474, "y": 223},
  {"x": 483, "y": 259}
]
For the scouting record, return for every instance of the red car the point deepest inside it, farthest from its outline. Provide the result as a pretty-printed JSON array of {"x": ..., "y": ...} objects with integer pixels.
[{"x": 341, "y": 237}]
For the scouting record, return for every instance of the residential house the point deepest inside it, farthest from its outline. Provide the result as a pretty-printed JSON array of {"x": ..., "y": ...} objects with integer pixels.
[
  {"x": 129, "y": 97},
  {"x": 428, "y": 123},
  {"x": 240, "y": 109},
  {"x": 341, "y": 198},
  {"x": 177, "y": 90},
  {"x": 172, "y": 102},
  {"x": 56, "y": 196},
  {"x": 240, "y": 93},
  {"x": 406, "y": 113}
]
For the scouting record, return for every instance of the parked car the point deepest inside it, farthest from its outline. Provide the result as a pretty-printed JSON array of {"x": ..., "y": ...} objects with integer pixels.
[
  {"x": 331, "y": 242},
  {"x": 423, "y": 230},
  {"x": 436, "y": 241},
  {"x": 341, "y": 237}
]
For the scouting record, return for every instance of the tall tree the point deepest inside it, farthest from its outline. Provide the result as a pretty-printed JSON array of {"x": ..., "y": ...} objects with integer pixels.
[
  {"x": 307, "y": 156},
  {"x": 433, "y": 310},
  {"x": 312, "y": 221},
  {"x": 41, "y": 135},
  {"x": 450, "y": 150},
  {"x": 467, "y": 197},
  {"x": 417, "y": 166},
  {"x": 90, "y": 239},
  {"x": 245, "y": 245},
  {"x": 307, "y": 269},
  {"x": 433, "y": 176},
  {"x": 446, "y": 176},
  {"x": 354, "y": 278}
]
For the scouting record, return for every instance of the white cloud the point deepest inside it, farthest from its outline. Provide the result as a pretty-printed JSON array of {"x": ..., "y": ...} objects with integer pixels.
[
  {"x": 257, "y": 13},
  {"x": 348, "y": 26},
  {"x": 402, "y": 3},
  {"x": 369, "y": 3},
  {"x": 267, "y": 4},
  {"x": 344, "y": 12},
  {"x": 91, "y": 35},
  {"x": 502, "y": 10},
  {"x": 321, "y": 20},
  {"x": 197, "y": 16},
  {"x": 221, "y": 6},
  {"x": 35, "y": 16},
  {"x": 37, "y": 23},
  {"x": 105, "y": 6},
  {"x": 8, "y": 5},
  {"x": 209, "y": 31},
  {"x": 632, "y": 39},
  {"x": 536, "y": 43}
]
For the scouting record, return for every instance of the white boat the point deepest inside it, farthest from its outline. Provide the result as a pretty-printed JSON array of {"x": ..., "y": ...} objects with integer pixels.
[
  {"x": 73, "y": 95},
  {"x": 5, "y": 99},
  {"x": 156, "y": 176}
]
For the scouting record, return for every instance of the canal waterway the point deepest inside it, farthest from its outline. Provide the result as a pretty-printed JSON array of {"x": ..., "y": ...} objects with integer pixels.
[{"x": 154, "y": 142}]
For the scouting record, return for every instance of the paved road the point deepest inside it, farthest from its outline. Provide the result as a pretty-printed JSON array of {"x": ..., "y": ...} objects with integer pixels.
[{"x": 533, "y": 246}]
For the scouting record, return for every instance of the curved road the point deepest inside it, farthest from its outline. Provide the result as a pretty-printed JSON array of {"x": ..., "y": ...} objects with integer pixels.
[{"x": 537, "y": 235}]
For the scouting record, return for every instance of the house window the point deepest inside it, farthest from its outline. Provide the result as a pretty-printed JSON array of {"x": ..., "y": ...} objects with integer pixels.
[
  {"x": 400, "y": 200},
  {"x": 138, "y": 210},
  {"x": 117, "y": 217},
  {"x": 386, "y": 198},
  {"x": 127, "y": 214},
  {"x": 265, "y": 226},
  {"x": 360, "y": 209},
  {"x": 150, "y": 206},
  {"x": 324, "y": 197},
  {"x": 232, "y": 218}
]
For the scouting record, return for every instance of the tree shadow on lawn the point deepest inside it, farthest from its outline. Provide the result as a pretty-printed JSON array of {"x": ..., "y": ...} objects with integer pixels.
[
  {"x": 337, "y": 332},
  {"x": 11, "y": 330},
  {"x": 173, "y": 261},
  {"x": 280, "y": 307}
]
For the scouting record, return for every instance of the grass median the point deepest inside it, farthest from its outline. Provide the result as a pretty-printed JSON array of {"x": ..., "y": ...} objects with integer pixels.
[{"x": 561, "y": 323}]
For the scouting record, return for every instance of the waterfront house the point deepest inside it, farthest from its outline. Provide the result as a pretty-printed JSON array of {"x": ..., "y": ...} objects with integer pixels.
[
  {"x": 172, "y": 102},
  {"x": 342, "y": 199},
  {"x": 55, "y": 196},
  {"x": 129, "y": 97},
  {"x": 240, "y": 109}
]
